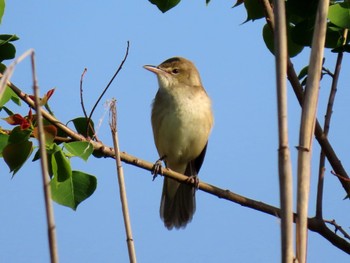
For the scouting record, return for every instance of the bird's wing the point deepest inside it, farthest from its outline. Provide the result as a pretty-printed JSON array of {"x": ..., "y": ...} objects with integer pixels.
[{"x": 195, "y": 165}]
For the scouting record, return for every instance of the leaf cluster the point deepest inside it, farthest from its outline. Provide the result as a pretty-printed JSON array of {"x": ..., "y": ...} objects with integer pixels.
[
  {"x": 300, "y": 16},
  {"x": 68, "y": 187}
]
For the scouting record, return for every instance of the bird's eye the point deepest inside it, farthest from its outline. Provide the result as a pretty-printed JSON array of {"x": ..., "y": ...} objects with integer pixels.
[{"x": 175, "y": 71}]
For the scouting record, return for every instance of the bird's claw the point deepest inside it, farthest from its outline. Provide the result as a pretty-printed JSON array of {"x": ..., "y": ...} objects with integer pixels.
[
  {"x": 193, "y": 179},
  {"x": 157, "y": 169}
]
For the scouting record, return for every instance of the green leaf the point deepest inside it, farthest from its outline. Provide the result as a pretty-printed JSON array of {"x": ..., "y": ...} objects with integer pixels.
[
  {"x": 8, "y": 94},
  {"x": 74, "y": 190},
  {"x": 80, "y": 125},
  {"x": 301, "y": 8},
  {"x": 2, "y": 9},
  {"x": 5, "y": 38},
  {"x": 50, "y": 150},
  {"x": 3, "y": 142},
  {"x": 80, "y": 149},
  {"x": 339, "y": 14},
  {"x": 7, "y": 51},
  {"x": 15, "y": 154},
  {"x": 18, "y": 135},
  {"x": 303, "y": 73},
  {"x": 302, "y": 34},
  {"x": 165, "y": 5},
  {"x": 293, "y": 48},
  {"x": 61, "y": 168},
  {"x": 7, "y": 110},
  {"x": 2, "y": 68},
  {"x": 254, "y": 10}
]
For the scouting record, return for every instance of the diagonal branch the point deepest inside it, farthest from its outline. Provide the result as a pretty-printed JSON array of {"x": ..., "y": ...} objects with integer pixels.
[{"x": 314, "y": 224}]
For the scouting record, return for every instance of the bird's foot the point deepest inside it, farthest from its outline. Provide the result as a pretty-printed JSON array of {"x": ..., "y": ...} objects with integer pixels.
[
  {"x": 157, "y": 168},
  {"x": 193, "y": 179}
]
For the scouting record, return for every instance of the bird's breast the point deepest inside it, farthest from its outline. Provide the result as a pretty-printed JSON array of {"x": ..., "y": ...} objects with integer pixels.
[{"x": 181, "y": 124}]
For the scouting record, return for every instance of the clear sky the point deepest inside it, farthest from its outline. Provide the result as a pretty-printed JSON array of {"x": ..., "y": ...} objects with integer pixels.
[{"x": 238, "y": 73}]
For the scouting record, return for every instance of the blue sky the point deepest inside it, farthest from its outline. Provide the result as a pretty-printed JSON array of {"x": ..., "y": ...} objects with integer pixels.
[{"x": 238, "y": 73}]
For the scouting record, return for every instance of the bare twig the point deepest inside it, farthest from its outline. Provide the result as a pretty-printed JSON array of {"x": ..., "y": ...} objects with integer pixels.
[
  {"x": 122, "y": 189},
  {"x": 326, "y": 126},
  {"x": 81, "y": 93},
  {"x": 338, "y": 228},
  {"x": 110, "y": 82},
  {"x": 341, "y": 177},
  {"x": 284, "y": 161},
  {"x": 88, "y": 124}
]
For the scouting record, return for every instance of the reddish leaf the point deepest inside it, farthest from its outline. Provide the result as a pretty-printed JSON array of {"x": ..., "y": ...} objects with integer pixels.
[
  {"x": 46, "y": 97},
  {"x": 50, "y": 133},
  {"x": 17, "y": 119},
  {"x": 49, "y": 93}
]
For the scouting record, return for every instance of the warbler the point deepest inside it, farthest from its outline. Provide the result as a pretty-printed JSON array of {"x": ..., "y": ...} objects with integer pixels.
[{"x": 182, "y": 120}]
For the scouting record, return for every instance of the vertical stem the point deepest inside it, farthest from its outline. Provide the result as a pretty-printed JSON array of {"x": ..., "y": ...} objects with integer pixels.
[
  {"x": 122, "y": 189},
  {"x": 44, "y": 170},
  {"x": 329, "y": 111},
  {"x": 284, "y": 162},
  {"x": 307, "y": 127}
]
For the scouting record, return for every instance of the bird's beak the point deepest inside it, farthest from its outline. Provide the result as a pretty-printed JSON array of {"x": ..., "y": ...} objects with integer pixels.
[{"x": 154, "y": 69}]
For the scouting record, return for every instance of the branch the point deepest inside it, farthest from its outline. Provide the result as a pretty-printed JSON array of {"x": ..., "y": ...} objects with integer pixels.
[
  {"x": 329, "y": 111},
  {"x": 338, "y": 227},
  {"x": 121, "y": 182},
  {"x": 81, "y": 93},
  {"x": 44, "y": 169},
  {"x": 284, "y": 161},
  {"x": 110, "y": 82},
  {"x": 313, "y": 223},
  {"x": 307, "y": 127}
]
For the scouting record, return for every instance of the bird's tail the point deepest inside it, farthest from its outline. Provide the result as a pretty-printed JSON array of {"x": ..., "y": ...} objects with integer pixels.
[{"x": 178, "y": 204}]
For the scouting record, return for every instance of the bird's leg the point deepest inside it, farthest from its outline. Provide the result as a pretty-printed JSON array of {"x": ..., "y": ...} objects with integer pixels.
[{"x": 157, "y": 167}]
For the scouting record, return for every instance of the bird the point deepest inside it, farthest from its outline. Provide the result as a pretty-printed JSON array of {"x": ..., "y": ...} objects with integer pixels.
[{"x": 182, "y": 120}]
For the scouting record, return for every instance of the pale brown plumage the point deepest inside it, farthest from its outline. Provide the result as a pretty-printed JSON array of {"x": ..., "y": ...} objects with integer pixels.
[{"x": 181, "y": 120}]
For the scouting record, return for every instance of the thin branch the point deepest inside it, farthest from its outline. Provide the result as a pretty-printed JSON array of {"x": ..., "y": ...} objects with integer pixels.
[
  {"x": 88, "y": 124},
  {"x": 81, "y": 93},
  {"x": 329, "y": 111},
  {"x": 122, "y": 189},
  {"x": 110, "y": 82},
  {"x": 338, "y": 227},
  {"x": 313, "y": 223},
  {"x": 284, "y": 160},
  {"x": 341, "y": 177},
  {"x": 44, "y": 169}
]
